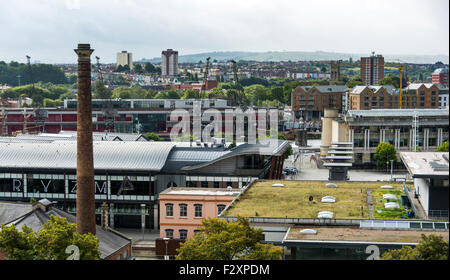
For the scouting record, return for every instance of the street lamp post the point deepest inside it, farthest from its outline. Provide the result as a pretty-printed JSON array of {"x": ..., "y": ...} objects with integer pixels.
[
  {"x": 392, "y": 168},
  {"x": 166, "y": 240}
]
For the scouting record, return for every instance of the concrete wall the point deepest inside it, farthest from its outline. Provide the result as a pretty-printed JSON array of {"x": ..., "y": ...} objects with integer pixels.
[{"x": 421, "y": 187}]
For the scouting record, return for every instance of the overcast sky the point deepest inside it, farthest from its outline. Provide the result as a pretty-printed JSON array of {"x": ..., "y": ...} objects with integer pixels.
[{"x": 49, "y": 30}]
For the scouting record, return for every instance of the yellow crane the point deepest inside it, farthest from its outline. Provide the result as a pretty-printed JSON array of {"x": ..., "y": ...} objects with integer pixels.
[{"x": 400, "y": 69}]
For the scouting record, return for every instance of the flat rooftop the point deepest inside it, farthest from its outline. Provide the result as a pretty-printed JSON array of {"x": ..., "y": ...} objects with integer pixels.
[
  {"x": 292, "y": 200},
  {"x": 358, "y": 235},
  {"x": 426, "y": 164},
  {"x": 202, "y": 191}
]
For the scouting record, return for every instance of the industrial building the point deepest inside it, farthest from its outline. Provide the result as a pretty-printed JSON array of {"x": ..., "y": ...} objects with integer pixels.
[
  {"x": 129, "y": 175},
  {"x": 406, "y": 129}
]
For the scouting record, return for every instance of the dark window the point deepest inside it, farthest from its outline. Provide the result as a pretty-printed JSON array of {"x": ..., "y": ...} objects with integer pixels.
[
  {"x": 169, "y": 233},
  {"x": 204, "y": 184},
  {"x": 183, "y": 234},
  {"x": 183, "y": 210},
  {"x": 169, "y": 209},
  {"x": 216, "y": 184},
  {"x": 220, "y": 208},
  {"x": 198, "y": 210}
]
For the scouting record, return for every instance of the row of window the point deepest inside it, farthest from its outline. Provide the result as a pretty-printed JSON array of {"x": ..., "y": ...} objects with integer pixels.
[
  {"x": 183, "y": 209},
  {"x": 183, "y": 233}
]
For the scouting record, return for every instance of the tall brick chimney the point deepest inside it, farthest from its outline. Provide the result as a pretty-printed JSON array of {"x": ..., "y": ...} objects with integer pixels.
[{"x": 85, "y": 215}]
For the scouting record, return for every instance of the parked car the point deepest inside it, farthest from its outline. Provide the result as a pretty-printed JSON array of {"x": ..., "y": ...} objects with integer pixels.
[{"x": 290, "y": 170}]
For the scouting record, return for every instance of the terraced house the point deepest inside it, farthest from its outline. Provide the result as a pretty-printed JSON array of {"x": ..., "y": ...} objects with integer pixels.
[{"x": 309, "y": 102}]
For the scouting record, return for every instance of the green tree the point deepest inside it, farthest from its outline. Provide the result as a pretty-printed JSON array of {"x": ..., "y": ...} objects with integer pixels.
[
  {"x": 219, "y": 239},
  {"x": 430, "y": 247},
  {"x": 49, "y": 243},
  {"x": 277, "y": 93},
  {"x": 138, "y": 68},
  {"x": 384, "y": 153},
  {"x": 100, "y": 91},
  {"x": 149, "y": 68},
  {"x": 443, "y": 147},
  {"x": 191, "y": 94},
  {"x": 153, "y": 136},
  {"x": 256, "y": 94}
]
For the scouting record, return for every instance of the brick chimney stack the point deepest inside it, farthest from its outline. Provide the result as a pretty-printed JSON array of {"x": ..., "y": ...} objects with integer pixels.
[{"x": 85, "y": 215}]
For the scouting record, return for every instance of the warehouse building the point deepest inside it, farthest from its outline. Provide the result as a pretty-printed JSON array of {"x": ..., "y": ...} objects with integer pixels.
[{"x": 130, "y": 175}]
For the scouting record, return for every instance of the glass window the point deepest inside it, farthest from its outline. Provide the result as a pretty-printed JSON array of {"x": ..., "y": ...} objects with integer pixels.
[
  {"x": 204, "y": 184},
  {"x": 220, "y": 208},
  {"x": 183, "y": 234},
  {"x": 198, "y": 210},
  {"x": 183, "y": 210},
  {"x": 216, "y": 185},
  {"x": 169, "y": 209},
  {"x": 169, "y": 233}
]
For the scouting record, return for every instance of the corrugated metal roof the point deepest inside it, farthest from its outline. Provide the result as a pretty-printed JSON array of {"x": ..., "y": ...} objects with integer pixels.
[
  {"x": 398, "y": 112},
  {"x": 138, "y": 156}
]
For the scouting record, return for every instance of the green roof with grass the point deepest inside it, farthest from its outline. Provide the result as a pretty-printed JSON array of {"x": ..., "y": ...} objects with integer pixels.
[{"x": 292, "y": 200}]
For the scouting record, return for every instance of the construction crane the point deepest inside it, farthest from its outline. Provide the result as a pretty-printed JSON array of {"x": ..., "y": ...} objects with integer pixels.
[
  {"x": 205, "y": 78},
  {"x": 400, "y": 69}
]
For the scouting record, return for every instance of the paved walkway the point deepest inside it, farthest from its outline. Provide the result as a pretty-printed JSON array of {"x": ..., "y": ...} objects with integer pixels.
[
  {"x": 370, "y": 204},
  {"x": 136, "y": 235}
]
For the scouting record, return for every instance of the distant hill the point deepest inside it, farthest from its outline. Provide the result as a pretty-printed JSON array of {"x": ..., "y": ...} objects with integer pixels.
[{"x": 296, "y": 56}]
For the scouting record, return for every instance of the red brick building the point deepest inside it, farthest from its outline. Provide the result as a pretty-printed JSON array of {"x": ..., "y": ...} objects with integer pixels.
[
  {"x": 372, "y": 69},
  {"x": 440, "y": 76}
]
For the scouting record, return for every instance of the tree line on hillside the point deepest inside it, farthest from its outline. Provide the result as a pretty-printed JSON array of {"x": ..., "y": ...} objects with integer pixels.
[{"x": 11, "y": 73}]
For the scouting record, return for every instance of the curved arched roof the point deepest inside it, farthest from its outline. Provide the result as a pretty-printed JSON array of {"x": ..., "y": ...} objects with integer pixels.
[{"x": 108, "y": 155}]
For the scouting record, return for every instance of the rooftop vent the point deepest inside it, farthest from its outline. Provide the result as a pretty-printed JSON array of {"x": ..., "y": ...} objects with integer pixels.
[
  {"x": 308, "y": 231},
  {"x": 277, "y": 185},
  {"x": 331, "y": 185},
  {"x": 325, "y": 215},
  {"x": 389, "y": 196},
  {"x": 437, "y": 166},
  {"x": 391, "y": 205},
  {"x": 387, "y": 187},
  {"x": 328, "y": 199}
]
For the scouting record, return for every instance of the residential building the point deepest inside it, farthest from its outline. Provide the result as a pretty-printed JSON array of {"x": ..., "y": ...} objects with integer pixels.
[
  {"x": 125, "y": 58},
  {"x": 169, "y": 63},
  {"x": 440, "y": 76},
  {"x": 373, "y": 97},
  {"x": 421, "y": 96},
  {"x": 113, "y": 245},
  {"x": 372, "y": 69},
  {"x": 444, "y": 100},
  {"x": 309, "y": 102},
  {"x": 183, "y": 209}
]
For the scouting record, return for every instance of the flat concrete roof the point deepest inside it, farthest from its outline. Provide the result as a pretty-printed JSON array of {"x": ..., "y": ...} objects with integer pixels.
[
  {"x": 359, "y": 235},
  {"x": 426, "y": 164},
  {"x": 201, "y": 191}
]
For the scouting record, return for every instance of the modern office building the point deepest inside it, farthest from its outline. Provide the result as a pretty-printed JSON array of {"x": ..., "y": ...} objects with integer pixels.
[
  {"x": 169, "y": 63},
  {"x": 372, "y": 69},
  {"x": 430, "y": 174},
  {"x": 125, "y": 58},
  {"x": 405, "y": 129}
]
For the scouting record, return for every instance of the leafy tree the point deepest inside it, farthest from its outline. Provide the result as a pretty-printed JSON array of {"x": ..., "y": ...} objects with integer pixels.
[
  {"x": 431, "y": 247},
  {"x": 121, "y": 92},
  {"x": 49, "y": 243},
  {"x": 277, "y": 93},
  {"x": 443, "y": 147},
  {"x": 254, "y": 81},
  {"x": 256, "y": 93},
  {"x": 153, "y": 136},
  {"x": 68, "y": 95},
  {"x": 138, "y": 68},
  {"x": 100, "y": 91},
  {"x": 173, "y": 94},
  {"x": 355, "y": 81},
  {"x": 149, "y": 68},
  {"x": 191, "y": 94},
  {"x": 384, "y": 153},
  {"x": 222, "y": 240},
  {"x": 72, "y": 79}
]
